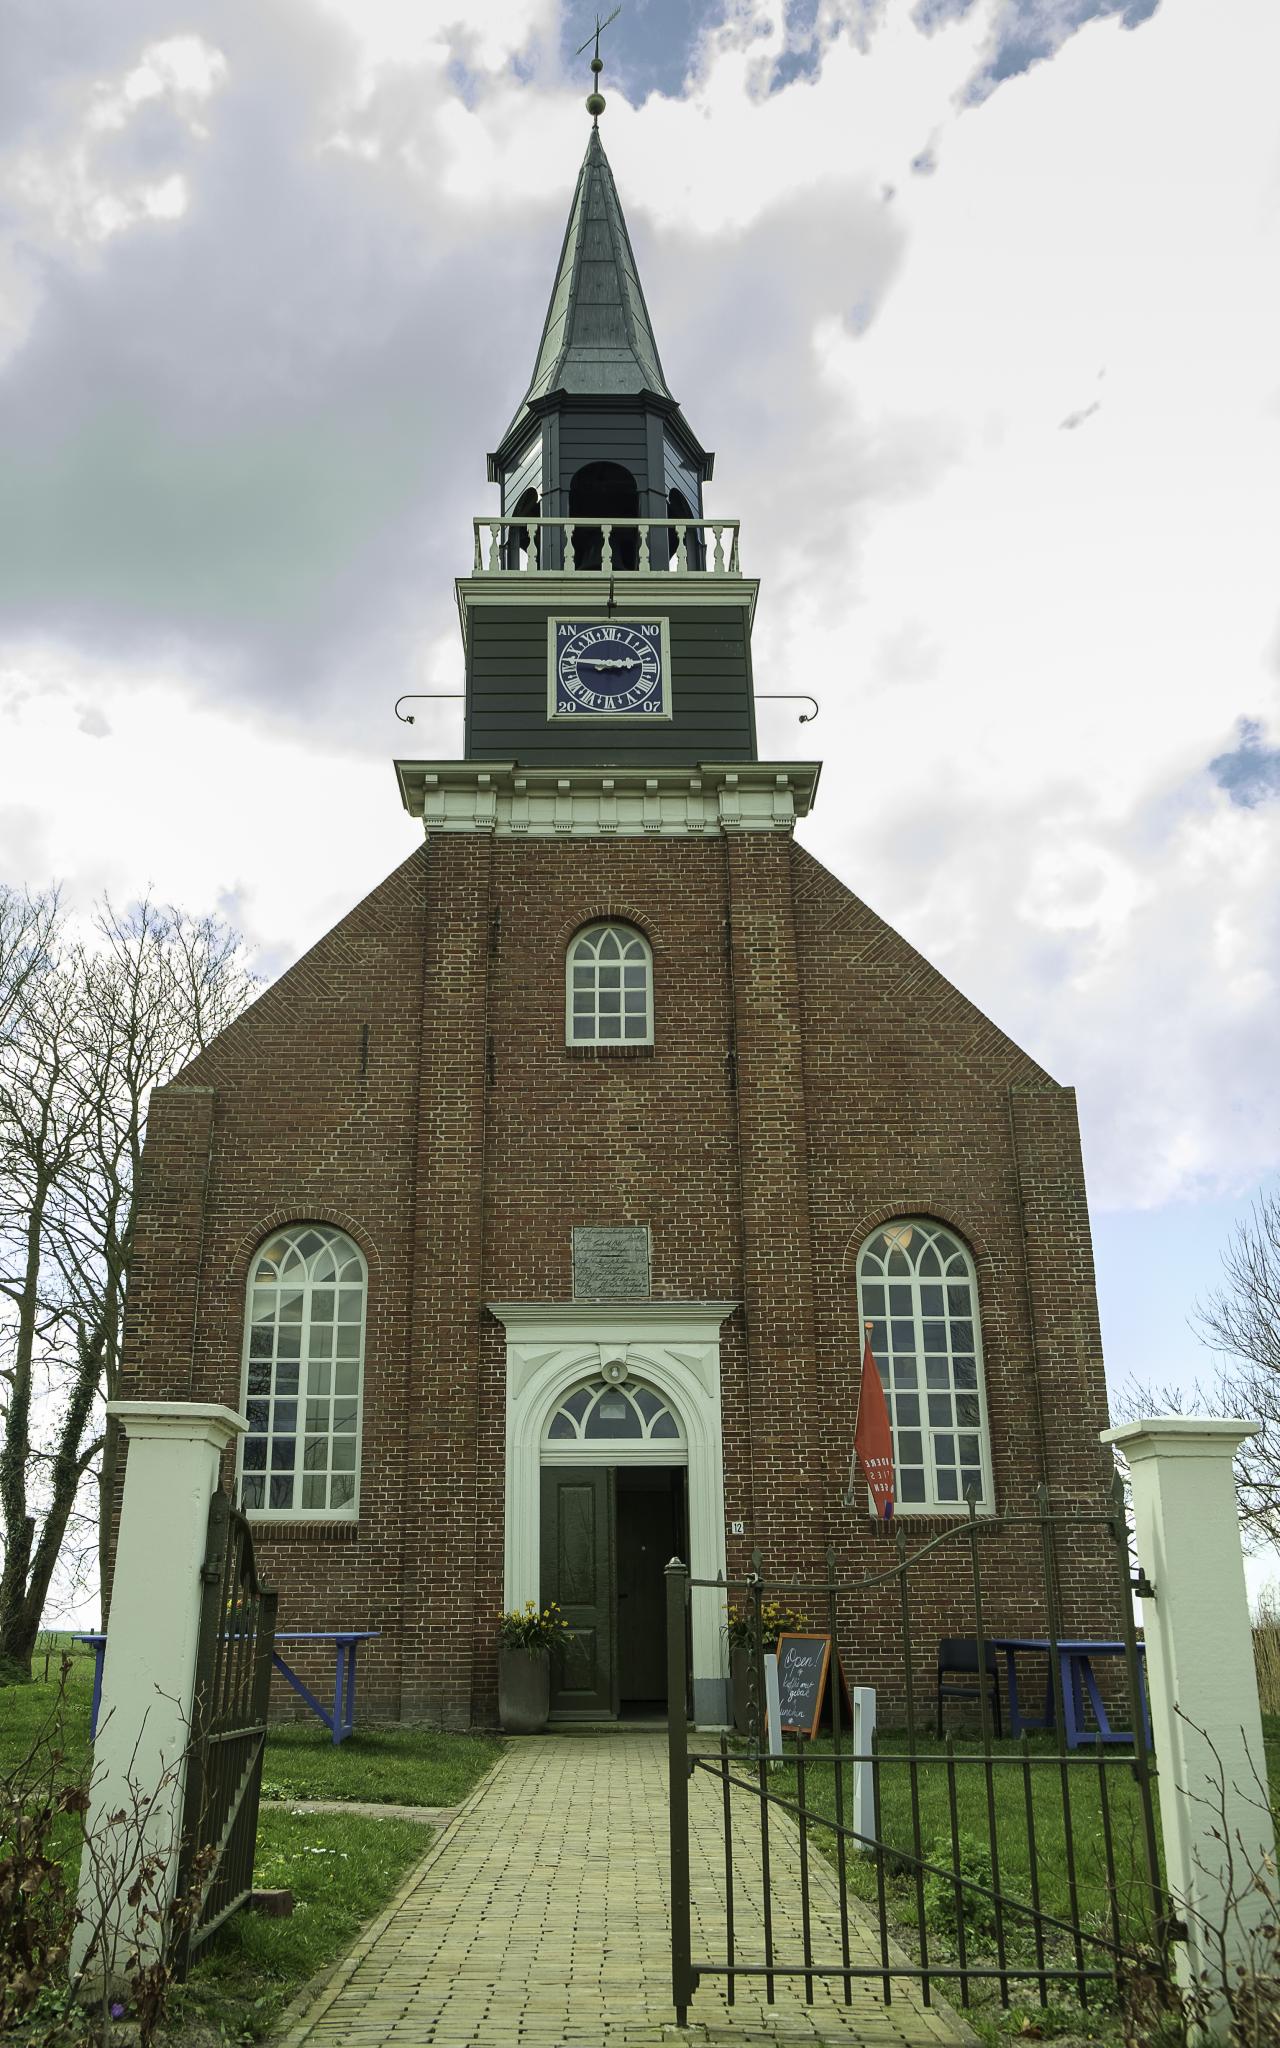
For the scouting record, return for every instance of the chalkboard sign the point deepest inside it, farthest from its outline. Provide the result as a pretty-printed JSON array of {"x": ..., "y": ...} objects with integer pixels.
[
  {"x": 803, "y": 1665},
  {"x": 802, "y": 1681}
]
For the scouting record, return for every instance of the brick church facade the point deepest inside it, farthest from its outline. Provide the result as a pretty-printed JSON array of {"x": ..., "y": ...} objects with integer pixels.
[{"x": 530, "y": 1217}]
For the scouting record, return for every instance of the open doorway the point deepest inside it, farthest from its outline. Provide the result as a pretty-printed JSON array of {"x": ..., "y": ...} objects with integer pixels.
[{"x": 608, "y": 1533}]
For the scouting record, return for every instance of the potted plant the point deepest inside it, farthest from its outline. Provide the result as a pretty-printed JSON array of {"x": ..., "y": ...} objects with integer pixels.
[
  {"x": 525, "y": 1636},
  {"x": 740, "y": 1628}
]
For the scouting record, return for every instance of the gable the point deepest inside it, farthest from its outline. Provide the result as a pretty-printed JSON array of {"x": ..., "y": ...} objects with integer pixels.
[{"x": 840, "y": 937}]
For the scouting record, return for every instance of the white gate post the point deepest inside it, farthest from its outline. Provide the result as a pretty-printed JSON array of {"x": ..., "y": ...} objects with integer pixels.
[
  {"x": 148, "y": 1678},
  {"x": 1211, "y": 1771}
]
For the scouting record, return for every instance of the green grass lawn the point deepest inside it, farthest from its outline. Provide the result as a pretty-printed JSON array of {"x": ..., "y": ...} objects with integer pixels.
[{"x": 341, "y": 1868}]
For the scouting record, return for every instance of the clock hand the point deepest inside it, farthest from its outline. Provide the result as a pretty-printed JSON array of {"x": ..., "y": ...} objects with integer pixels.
[{"x": 609, "y": 664}]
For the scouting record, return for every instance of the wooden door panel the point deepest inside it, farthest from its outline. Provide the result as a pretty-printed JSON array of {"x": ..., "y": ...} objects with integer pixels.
[{"x": 577, "y": 1571}]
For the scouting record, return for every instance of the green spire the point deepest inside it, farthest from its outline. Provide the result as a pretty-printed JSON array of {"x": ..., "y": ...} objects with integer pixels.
[{"x": 597, "y": 338}]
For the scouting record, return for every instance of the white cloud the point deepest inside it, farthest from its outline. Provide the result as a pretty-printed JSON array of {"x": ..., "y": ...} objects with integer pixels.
[{"x": 245, "y": 418}]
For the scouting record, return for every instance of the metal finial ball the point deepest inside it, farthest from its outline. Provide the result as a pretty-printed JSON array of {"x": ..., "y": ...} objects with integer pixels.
[
  {"x": 597, "y": 63},
  {"x": 595, "y": 104}
]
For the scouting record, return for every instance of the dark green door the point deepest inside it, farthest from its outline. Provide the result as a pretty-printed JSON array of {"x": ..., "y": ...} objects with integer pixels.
[{"x": 577, "y": 1570}]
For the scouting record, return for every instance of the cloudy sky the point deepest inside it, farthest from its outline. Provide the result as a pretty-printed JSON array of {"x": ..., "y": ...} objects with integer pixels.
[{"x": 978, "y": 302}]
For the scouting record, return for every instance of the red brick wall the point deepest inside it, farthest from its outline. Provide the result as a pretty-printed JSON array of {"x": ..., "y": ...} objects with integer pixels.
[{"x": 811, "y": 1077}]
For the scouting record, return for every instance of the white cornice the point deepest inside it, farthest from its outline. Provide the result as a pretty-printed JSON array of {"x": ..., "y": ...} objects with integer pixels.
[
  {"x": 587, "y": 591},
  {"x": 628, "y": 1321},
  {"x": 594, "y": 802}
]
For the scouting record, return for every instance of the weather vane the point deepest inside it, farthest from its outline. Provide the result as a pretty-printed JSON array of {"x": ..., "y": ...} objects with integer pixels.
[{"x": 595, "y": 98}]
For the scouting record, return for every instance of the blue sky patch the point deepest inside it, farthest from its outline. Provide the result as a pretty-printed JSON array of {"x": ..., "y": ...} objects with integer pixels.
[{"x": 1250, "y": 773}]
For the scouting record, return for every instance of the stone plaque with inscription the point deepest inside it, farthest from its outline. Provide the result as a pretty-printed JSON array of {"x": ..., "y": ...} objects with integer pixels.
[{"x": 611, "y": 1262}]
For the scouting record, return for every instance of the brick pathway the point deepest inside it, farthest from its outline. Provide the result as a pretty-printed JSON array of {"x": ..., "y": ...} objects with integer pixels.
[{"x": 540, "y": 1918}]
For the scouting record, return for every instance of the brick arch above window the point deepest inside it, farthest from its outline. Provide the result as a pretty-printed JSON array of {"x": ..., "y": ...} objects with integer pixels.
[
  {"x": 611, "y": 912},
  {"x": 927, "y": 1207},
  {"x": 295, "y": 1215}
]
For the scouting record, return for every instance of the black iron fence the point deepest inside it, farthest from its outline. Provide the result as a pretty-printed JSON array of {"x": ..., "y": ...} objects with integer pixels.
[
  {"x": 228, "y": 1733},
  {"x": 1028, "y": 1858}
]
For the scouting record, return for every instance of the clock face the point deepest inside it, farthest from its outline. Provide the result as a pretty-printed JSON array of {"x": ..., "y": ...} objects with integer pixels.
[{"x": 609, "y": 668}]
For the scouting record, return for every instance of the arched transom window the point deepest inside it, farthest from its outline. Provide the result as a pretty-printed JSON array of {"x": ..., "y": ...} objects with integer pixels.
[
  {"x": 610, "y": 987},
  {"x": 599, "y": 1412},
  {"x": 304, "y": 1358},
  {"x": 916, "y": 1283}
]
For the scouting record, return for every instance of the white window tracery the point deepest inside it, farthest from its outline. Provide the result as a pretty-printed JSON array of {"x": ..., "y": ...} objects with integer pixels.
[
  {"x": 918, "y": 1288},
  {"x": 602, "y": 1411},
  {"x": 609, "y": 987},
  {"x": 303, "y": 1371}
]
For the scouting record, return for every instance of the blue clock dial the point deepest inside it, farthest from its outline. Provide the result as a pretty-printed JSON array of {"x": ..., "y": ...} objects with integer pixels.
[{"x": 609, "y": 668}]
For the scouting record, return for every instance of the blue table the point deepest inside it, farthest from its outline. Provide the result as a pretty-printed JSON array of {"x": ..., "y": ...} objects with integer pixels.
[
  {"x": 1075, "y": 1656},
  {"x": 346, "y": 1643}
]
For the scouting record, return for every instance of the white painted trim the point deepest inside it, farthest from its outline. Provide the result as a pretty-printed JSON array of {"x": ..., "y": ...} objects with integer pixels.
[
  {"x": 591, "y": 801},
  {"x": 675, "y": 1346},
  {"x": 617, "y": 926}
]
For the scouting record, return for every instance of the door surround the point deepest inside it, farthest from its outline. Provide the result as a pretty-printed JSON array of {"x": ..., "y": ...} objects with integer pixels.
[{"x": 675, "y": 1346}]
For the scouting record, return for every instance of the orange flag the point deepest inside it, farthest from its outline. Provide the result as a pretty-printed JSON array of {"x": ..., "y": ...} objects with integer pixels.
[{"x": 872, "y": 1436}]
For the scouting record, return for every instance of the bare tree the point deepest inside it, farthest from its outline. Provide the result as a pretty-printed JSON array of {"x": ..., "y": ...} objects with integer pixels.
[
  {"x": 1241, "y": 1321},
  {"x": 94, "y": 1025}
]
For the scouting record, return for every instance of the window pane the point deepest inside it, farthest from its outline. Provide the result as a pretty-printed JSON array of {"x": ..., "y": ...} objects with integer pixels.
[
  {"x": 260, "y": 1378},
  {"x": 665, "y": 1426},
  {"x": 948, "y": 1486},
  {"x": 901, "y": 1301},
  {"x": 962, "y": 1336},
  {"x": 282, "y": 1450},
  {"x": 905, "y": 1372},
  {"x": 251, "y": 1493},
  {"x": 935, "y": 1336},
  {"x": 611, "y": 1027},
  {"x": 578, "y": 1403},
  {"x": 281, "y": 1491},
  {"x": 344, "y": 1454},
  {"x": 255, "y": 1454},
  {"x": 944, "y": 1450},
  {"x": 313, "y": 1491},
  {"x": 968, "y": 1450},
  {"x": 965, "y": 1371},
  {"x": 635, "y": 977},
  {"x": 287, "y": 1376},
  {"x": 349, "y": 1304},
  {"x": 291, "y": 1308},
  {"x": 262, "y": 1342},
  {"x": 582, "y": 1027},
  {"x": 910, "y": 1447},
  {"x": 873, "y": 1299},
  {"x": 908, "y": 1408},
  {"x": 561, "y": 1426},
  {"x": 967, "y": 1411},
  {"x": 634, "y": 1027},
  {"x": 931, "y": 1301},
  {"x": 286, "y": 1415},
  {"x": 911, "y": 1485},
  {"x": 940, "y": 1411},
  {"x": 322, "y": 1305},
  {"x": 342, "y": 1490},
  {"x": 902, "y": 1335},
  {"x": 344, "y": 1416},
  {"x": 937, "y": 1372},
  {"x": 348, "y": 1344},
  {"x": 317, "y": 1415},
  {"x": 346, "y": 1376}
]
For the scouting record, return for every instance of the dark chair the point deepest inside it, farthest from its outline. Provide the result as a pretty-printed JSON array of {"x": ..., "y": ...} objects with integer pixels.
[{"x": 958, "y": 1658}]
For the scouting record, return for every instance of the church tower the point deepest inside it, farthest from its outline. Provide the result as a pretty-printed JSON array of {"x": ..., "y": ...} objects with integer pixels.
[
  {"x": 531, "y": 1219},
  {"x": 606, "y": 621}
]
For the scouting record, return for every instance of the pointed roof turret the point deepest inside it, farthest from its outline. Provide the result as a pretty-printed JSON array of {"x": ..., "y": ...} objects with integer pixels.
[{"x": 597, "y": 337}]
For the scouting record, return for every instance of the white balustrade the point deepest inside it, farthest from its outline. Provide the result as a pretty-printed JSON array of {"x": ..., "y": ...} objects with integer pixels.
[{"x": 524, "y": 546}]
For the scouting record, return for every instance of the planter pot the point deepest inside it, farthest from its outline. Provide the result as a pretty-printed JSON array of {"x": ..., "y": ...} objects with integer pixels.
[{"x": 524, "y": 1690}]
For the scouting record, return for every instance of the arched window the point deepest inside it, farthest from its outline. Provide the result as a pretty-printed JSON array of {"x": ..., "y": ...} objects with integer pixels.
[
  {"x": 600, "y": 1412},
  {"x": 604, "y": 490},
  {"x": 916, "y": 1284},
  {"x": 609, "y": 992},
  {"x": 303, "y": 1366},
  {"x": 520, "y": 538}
]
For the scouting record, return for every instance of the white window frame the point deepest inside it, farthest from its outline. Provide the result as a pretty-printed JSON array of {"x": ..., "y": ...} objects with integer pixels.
[
  {"x": 625, "y": 933},
  {"x": 350, "y": 1511},
  {"x": 615, "y": 1450},
  {"x": 932, "y": 1504}
]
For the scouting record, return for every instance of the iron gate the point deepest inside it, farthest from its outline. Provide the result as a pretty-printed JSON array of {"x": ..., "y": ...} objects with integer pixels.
[
  {"x": 1040, "y": 1861},
  {"x": 228, "y": 1733}
]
